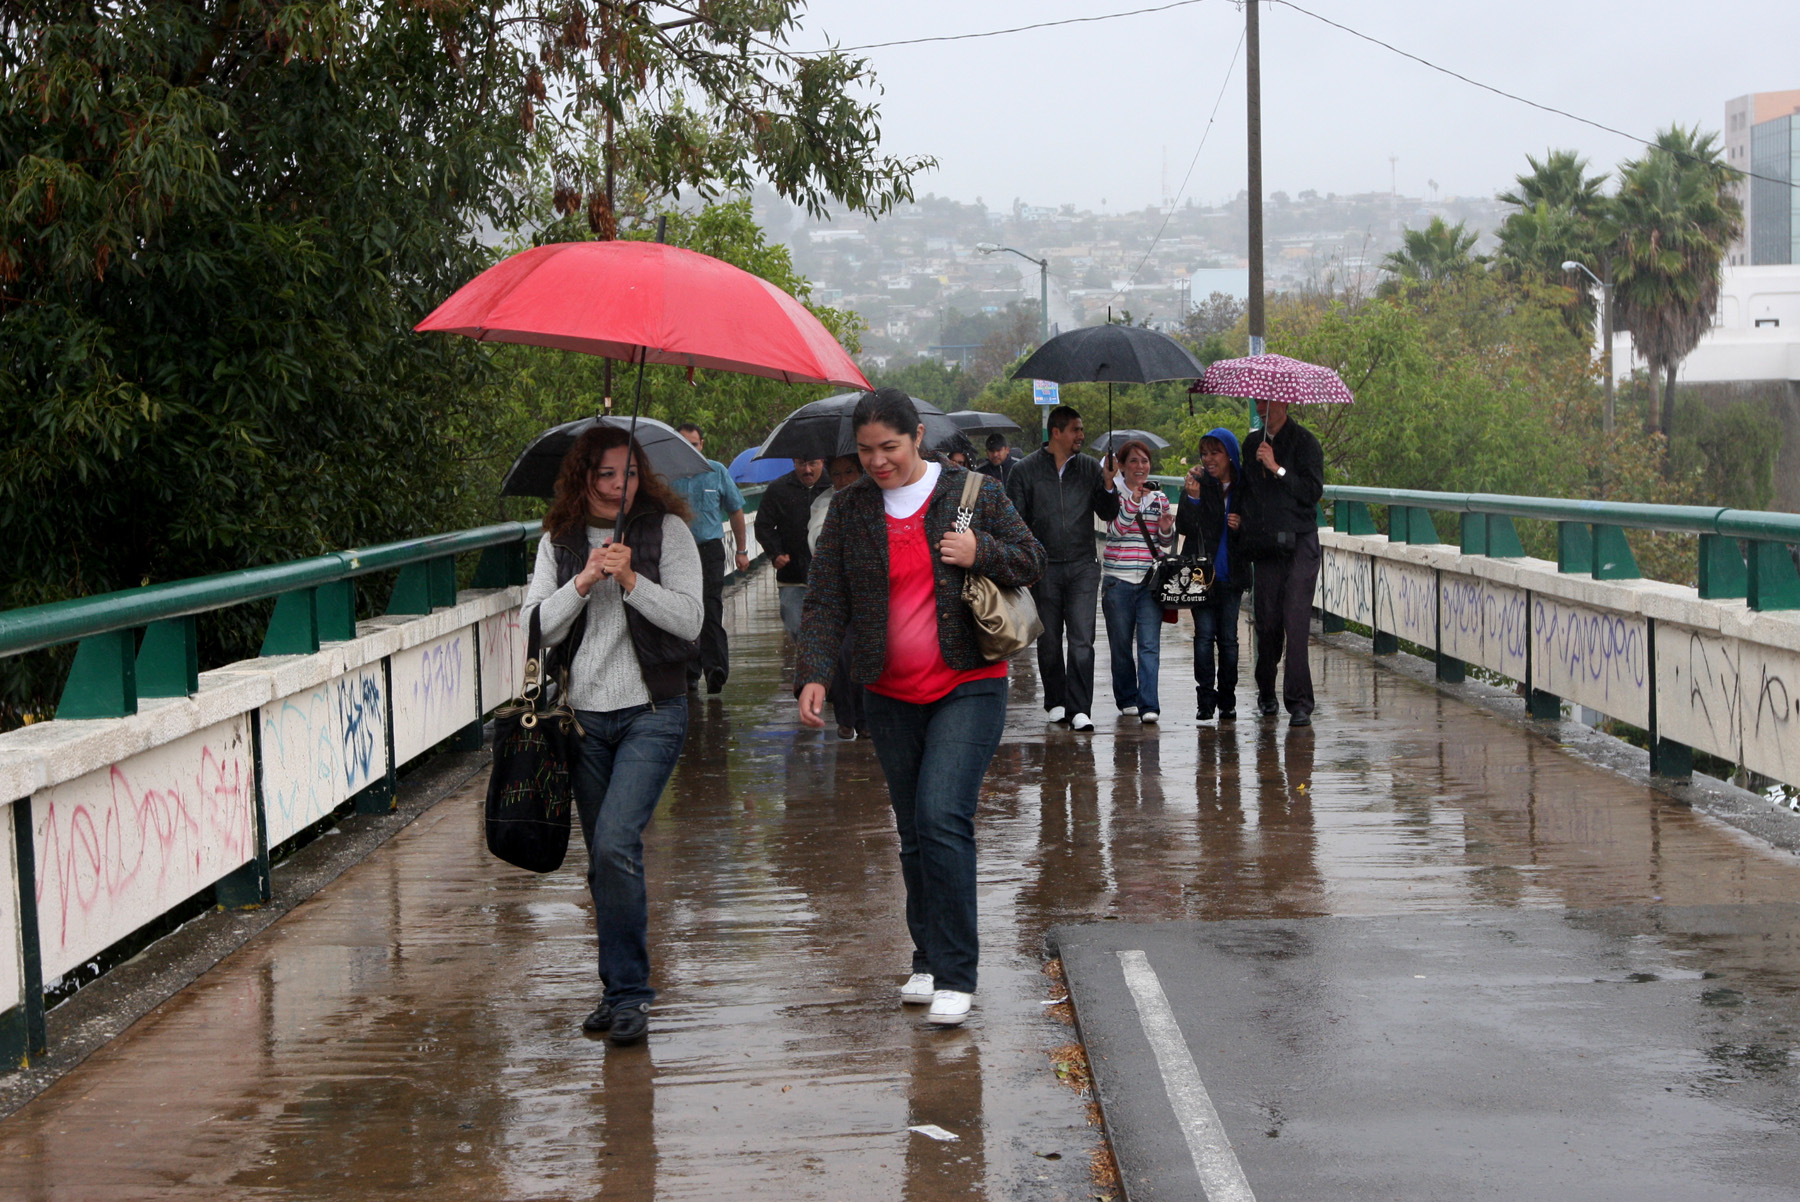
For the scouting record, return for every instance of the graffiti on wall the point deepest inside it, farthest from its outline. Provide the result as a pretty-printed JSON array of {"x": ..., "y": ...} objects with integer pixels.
[
  {"x": 1344, "y": 586},
  {"x": 434, "y": 692},
  {"x": 1698, "y": 694},
  {"x": 120, "y": 845},
  {"x": 1596, "y": 658},
  {"x": 320, "y": 747},
  {"x": 1406, "y": 602},
  {"x": 1483, "y": 623},
  {"x": 1771, "y": 711},
  {"x": 502, "y": 658}
]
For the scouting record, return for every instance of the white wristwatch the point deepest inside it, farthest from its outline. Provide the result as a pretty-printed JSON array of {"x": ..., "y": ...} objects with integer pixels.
[{"x": 1281, "y": 473}]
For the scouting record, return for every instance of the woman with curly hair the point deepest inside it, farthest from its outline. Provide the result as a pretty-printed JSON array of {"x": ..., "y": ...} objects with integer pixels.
[{"x": 617, "y": 592}]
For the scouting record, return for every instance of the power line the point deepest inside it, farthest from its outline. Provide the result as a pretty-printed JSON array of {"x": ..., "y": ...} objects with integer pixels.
[
  {"x": 1486, "y": 87},
  {"x": 1192, "y": 163},
  {"x": 994, "y": 33}
]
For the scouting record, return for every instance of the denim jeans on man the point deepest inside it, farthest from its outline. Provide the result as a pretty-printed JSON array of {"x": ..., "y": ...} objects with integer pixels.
[
  {"x": 1065, "y": 603},
  {"x": 1216, "y": 622},
  {"x": 793, "y": 604},
  {"x": 934, "y": 758},
  {"x": 626, "y": 758},
  {"x": 1133, "y": 623}
]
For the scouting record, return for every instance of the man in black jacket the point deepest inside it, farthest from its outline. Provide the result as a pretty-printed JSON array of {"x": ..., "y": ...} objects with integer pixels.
[
  {"x": 1284, "y": 477},
  {"x": 999, "y": 463},
  {"x": 781, "y": 531},
  {"x": 1059, "y": 493}
]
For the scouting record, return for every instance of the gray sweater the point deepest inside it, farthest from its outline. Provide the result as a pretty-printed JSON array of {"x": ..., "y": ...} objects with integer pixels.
[{"x": 604, "y": 675}]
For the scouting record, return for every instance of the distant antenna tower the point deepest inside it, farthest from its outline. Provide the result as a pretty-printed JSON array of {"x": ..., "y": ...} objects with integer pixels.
[
  {"x": 1393, "y": 174},
  {"x": 1165, "y": 176}
]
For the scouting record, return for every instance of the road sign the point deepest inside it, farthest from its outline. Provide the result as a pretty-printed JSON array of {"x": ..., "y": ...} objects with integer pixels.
[{"x": 1045, "y": 393}]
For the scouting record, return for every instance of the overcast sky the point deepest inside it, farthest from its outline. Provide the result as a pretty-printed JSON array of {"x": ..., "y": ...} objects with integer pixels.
[{"x": 1084, "y": 113}]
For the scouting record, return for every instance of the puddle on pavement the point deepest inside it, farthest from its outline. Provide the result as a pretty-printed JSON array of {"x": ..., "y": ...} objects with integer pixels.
[{"x": 414, "y": 1028}]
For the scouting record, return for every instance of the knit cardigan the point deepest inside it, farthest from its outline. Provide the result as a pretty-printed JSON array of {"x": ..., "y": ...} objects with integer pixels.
[{"x": 847, "y": 586}]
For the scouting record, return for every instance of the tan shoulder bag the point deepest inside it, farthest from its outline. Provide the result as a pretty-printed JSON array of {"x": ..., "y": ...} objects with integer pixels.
[{"x": 1006, "y": 619}]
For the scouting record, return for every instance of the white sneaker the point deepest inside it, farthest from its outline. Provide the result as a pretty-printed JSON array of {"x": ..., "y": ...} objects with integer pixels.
[
  {"x": 1150, "y": 717},
  {"x": 949, "y": 1008},
  {"x": 917, "y": 991},
  {"x": 1129, "y": 711},
  {"x": 1054, "y": 714},
  {"x": 1081, "y": 722}
]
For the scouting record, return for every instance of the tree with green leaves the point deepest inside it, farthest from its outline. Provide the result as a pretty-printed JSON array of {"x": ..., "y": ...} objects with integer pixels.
[
  {"x": 1562, "y": 214},
  {"x": 1432, "y": 255},
  {"x": 1677, "y": 214},
  {"x": 220, "y": 221}
]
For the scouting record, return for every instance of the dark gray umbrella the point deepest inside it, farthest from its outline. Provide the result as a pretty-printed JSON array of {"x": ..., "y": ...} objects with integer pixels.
[
  {"x": 974, "y": 421},
  {"x": 1115, "y": 354},
  {"x": 1114, "y": 439},
  {"x": 822, "y": 429},
  {"x": 533, "y": 473}
]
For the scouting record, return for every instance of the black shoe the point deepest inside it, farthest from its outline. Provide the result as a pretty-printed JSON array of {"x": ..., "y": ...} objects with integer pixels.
[
  {"x": 600, "y": 1020},
  {"x": 715, "y": 682},
  {"x": 629, "y": 1025},
  {"x": 1205, "y": 714},
  {"x": 1228, "y": 715},
  {"x": 1267, "y": 706},
  {"x": 1300, "y": 718}
]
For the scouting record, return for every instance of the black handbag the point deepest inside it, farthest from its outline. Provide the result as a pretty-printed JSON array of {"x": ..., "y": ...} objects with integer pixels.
[
  {"x": 531, "y": 790},
  {"x": 1178, "y": 581}
]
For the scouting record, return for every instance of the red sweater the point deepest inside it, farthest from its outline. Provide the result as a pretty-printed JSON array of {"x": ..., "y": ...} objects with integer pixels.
[{"x": 915, "y": 671}]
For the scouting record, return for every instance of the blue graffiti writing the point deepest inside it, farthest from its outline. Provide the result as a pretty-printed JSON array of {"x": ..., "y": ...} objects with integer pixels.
[
  {"x": 1474, "y": 609},
  {"x": 1600, "y": 648},
  {"x": 360, "y": 722},
  {"x": 440, "y": 680}
]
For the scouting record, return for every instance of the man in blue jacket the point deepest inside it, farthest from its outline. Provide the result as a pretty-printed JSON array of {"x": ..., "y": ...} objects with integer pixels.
[
  {"x": 712, "y": 495},
  {"x": 1208, "y": 521}
]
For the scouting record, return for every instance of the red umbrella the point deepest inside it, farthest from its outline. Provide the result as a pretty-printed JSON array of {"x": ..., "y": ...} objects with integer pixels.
[
  {"x": 646, "y": 302},
  {"x": 1275, "y": 378}
]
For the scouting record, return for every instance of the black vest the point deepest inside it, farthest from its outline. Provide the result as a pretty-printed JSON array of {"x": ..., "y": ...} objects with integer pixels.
[{"x": 662, "y": 657}]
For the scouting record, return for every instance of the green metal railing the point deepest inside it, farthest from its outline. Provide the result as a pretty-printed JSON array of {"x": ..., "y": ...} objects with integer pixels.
[
  {"x": 1743, "y": 553},
  {"x": 315, "y": 602}
]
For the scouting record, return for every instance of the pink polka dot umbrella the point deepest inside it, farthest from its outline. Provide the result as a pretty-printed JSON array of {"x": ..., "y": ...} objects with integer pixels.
[{"x": 1275, "y": 378}]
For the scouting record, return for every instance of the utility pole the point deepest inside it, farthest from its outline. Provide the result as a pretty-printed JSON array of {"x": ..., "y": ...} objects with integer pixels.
[
  {"x": 1253, "y": 108},
  {"x": 606, "y": 385}
]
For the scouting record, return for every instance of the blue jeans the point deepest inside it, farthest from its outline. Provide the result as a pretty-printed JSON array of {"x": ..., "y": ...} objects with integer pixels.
[
  {"x": 1133, "y": 621},
  {"x": 1217, "y": 622},
  {"x": 793, "y": 601},
  {"x": 626, "y": 758},
  {"x": 934, "y": 758}
]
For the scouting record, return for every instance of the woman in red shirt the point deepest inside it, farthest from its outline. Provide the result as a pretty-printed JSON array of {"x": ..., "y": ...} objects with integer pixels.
[{"x": 889, "y": 567}]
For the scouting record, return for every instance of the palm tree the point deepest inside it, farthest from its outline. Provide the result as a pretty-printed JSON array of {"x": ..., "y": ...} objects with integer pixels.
[
  {"x": 1432, "y": 255},
  {"x": 1562, "y": 215},
  {"x": 1677, "y": 213}
]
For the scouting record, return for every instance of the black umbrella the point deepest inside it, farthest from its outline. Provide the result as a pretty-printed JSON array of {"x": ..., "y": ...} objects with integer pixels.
[
  {"x": 1114, "y": 439},
  {"x": 972, "y": 421},
  {"x": 822, "y": 429},
  {"x": 1115, "y": 354},
  {"x": 533, "y": 473}
]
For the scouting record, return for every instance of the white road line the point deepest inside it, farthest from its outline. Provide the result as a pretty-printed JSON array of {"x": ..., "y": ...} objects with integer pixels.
[{"x": 1221, "y": 1176}]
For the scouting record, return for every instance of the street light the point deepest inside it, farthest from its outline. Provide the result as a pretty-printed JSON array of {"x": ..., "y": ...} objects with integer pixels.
[
  {"x": 990, "y": 248},
  {"x": 1605, "y": 329}
]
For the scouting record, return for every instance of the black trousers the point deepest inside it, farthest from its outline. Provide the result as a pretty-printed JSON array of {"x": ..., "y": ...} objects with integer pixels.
[
  {"x": 1066, "y": 598},
  {"x": 1284, "y": 597},
  {"x": 715, "y": 652}
]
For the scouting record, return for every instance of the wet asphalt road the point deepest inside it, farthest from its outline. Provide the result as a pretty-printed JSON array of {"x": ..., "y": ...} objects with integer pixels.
[{"x": 413, "y": 1030}]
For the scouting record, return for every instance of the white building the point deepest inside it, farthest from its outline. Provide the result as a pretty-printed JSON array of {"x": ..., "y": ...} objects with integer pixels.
[{"x": 1755, "y": 335}]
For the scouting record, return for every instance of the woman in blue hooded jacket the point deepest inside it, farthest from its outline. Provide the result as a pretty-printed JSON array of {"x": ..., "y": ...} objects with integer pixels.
[{"x": 1208, "y": 521}]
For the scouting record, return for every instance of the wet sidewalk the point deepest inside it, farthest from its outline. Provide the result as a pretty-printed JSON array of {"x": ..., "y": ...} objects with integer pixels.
[{"x": 414, "y": 1029}]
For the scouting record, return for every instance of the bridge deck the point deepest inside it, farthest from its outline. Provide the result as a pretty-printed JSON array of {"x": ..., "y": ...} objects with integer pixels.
[{"x": 414, "y": 1028}]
